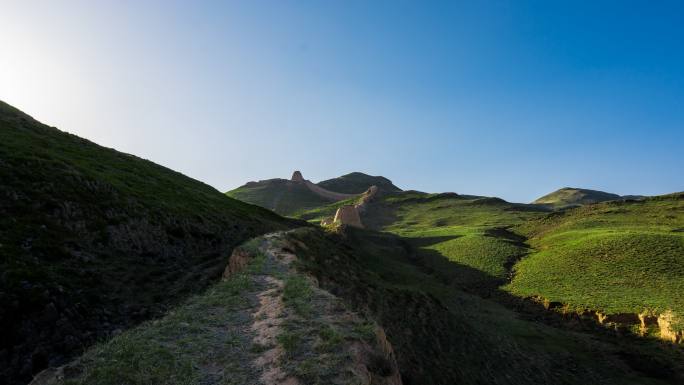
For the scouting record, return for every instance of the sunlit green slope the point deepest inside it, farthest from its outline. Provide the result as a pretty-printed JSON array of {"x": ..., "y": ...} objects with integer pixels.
[
  {"x": 571, "y": 197},
  {"x": 614, "y": 257}
]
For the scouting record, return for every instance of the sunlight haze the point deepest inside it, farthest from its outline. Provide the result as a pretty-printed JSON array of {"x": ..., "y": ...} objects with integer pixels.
[{"x": 513, "y": 100}]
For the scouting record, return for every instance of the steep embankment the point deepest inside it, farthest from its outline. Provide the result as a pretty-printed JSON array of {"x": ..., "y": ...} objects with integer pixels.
[
  {"x": 93, "y": 240},
  {"x": 266, "y": 323},
  {"x": 619, "y": 262}
]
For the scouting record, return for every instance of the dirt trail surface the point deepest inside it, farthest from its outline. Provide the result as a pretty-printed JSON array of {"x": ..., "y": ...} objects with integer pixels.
[
  {"x": 307, "y": 333},
  {"x": 264, "y": 324},
  {"x": 327, "y": 193}
]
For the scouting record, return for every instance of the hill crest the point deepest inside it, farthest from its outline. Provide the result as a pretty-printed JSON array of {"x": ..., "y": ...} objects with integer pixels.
[{"x": 574, "y": 196}]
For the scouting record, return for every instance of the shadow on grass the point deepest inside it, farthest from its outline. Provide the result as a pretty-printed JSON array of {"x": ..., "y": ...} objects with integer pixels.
[
  {"x": 429, "y": 241},
  {"x": 652, "y": 358}
]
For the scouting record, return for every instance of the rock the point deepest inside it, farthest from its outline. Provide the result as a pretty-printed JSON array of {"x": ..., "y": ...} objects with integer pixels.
[
  {"x": 666, "y": 321},
  {"x": 238, "y": 260},
  {"x": 297, "y": 177},
  {"x": 348, "y": 215},
  {"x": 366, "y": 198}
]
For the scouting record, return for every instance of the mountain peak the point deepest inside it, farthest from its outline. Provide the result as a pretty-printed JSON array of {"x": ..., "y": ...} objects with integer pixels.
[{"x": 297, "y": 177}]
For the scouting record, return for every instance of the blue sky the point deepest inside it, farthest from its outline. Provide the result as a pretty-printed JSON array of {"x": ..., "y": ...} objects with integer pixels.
[{"x": 502, "y": 98}]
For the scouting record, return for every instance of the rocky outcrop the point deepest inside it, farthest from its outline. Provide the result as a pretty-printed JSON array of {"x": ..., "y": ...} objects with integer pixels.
[
  {"x": 297, "y": 177},
  {"x": 237, "y": 261},
  {"x": 668, "y": 331},
  {"x": 348, "y": 215},
  {"x": 320, "y": 191},
  {"x": 666, "y": 325},
  {"x": 351, "y": 215},
  {"x": 367, "y": 198}
]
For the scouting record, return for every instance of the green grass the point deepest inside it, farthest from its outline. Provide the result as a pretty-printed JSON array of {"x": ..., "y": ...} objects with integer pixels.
[
  {"x": 457, "y": 228},
  {"x": 357, "y": 183},
  {"x": 101, "y": 236},
  {"x": 618, "y": 257},
  {"x": 330, "y": 338},
  {"x": 432, "y": 325},
  {"x": 568, "y": 197},
  {"x": 478, "y": 251},
  {"x": 614, "y": 272},
  {"x": 316, "y": 215},
  {"x": 296, "y": 200},
  {"x": 184, "y": 347},
  {"x": 280, "y": 195},
  {"x": 297, "y": 294},
  {"x": 420, "y": 215}
]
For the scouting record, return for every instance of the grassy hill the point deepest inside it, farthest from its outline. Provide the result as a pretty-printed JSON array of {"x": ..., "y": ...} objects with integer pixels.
[
  {"x": 283, "y": 196},
  {"x": 613, "y": 257},
  {"x": 357, "y": 182},
  {"x": 291, "y": 198},
  {"x": 570, "y": 197},
  {"x": 93, "y": 240},
  {"x": 468, "y": 231}
]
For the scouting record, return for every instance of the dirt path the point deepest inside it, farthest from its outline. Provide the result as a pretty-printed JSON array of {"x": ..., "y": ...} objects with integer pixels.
[
  {"x": 305, "y": 334},
  {"x": 264, "y": 324}
]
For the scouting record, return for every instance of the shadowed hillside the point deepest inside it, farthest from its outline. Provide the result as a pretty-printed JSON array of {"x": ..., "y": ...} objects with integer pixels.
[
  {"x": 93, "y": 240},
  {"x": 283, "y": 196}
]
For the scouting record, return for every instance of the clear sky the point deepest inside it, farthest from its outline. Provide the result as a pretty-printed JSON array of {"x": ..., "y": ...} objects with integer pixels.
[{"x": 502, "y": 98}]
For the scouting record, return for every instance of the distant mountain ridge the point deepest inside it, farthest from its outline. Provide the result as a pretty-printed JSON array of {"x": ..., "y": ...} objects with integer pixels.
[
  {"x": 357, "y": 183},
  {"x": 573, "y": 196},
  {"x": 288, "y": 197}
]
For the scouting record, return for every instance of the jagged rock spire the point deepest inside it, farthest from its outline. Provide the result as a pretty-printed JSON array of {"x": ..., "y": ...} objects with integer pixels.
[{"x": 297, "y": 177}]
